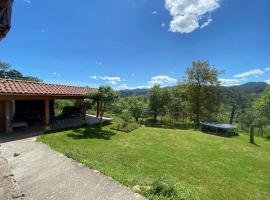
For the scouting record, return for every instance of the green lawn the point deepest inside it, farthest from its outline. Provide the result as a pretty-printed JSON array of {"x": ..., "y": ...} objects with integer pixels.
[{"x": 192, "y": 164}]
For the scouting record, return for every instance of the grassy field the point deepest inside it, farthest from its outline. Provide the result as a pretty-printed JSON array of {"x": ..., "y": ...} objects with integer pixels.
[{"x": 169, "y": 164}]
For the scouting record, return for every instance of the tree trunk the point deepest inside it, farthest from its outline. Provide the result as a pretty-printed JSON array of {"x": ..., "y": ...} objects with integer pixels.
[
  {"x": 197, "y": 111},
  {"x": 155, "y": 117},
  {"x": 98, "y": 106},
  {"x": 251, "y": 134},
  {"x": 102, "y": 108},
  {"x": 232, "y": 114}
]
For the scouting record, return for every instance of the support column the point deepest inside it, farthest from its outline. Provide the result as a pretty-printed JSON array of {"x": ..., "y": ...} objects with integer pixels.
[
  {"x": 47, "y": 115},
  {"x": 8, "y": 117}
]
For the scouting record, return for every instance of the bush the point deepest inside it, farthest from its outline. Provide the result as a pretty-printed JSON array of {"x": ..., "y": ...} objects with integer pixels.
[
  {"x": 125, "y": 126},
  {"x": 162, "y": 189}
]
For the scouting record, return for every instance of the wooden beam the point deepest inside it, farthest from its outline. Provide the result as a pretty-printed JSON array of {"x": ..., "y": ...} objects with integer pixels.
[{"x": 47, "y": 115}]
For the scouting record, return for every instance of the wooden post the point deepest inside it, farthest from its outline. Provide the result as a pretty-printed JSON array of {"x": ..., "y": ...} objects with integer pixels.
[
  {"x": 8, "y": 117},
  {"x": 251, "y": 134},
  {"x": 47, "y": 115}
]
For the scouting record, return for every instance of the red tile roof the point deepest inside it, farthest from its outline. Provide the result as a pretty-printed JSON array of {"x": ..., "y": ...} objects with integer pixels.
[{"x": 21, "y": 87}]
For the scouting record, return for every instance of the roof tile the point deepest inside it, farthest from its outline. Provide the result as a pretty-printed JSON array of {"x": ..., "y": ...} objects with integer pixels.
[{"x": 21, "y": 87}]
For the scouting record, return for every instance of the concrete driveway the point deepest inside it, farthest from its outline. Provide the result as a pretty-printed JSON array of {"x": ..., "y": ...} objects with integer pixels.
[{"x": 41, "y": 173}]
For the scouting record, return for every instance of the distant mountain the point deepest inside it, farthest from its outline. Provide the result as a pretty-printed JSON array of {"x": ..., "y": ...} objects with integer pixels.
[
  {"x": 248, "y": 88},
  {"x": 140, "y": 92},
  {"x": 253, "y": 87}
]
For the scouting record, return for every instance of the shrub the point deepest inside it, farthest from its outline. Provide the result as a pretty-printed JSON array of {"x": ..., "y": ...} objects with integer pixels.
[
  {"x": 125, "y": 126},
  {"x": 162, "y": 189}
]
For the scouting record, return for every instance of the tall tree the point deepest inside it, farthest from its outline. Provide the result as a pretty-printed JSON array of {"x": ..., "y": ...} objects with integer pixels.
[
  {"x": 235, "y": 101},
  {"x": 105, "y": 96},
  {"x": 202, "y": 82},
  {"x": 155, "y": 101},
  {"x": 136, "y": 107}
]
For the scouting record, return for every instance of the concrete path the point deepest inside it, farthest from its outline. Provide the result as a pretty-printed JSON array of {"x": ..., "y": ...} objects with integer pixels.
[{"x": 42, "y": 173}]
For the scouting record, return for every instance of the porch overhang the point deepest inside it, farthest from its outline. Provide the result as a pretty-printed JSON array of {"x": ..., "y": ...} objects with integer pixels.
[{"x": 16, "y": 90}]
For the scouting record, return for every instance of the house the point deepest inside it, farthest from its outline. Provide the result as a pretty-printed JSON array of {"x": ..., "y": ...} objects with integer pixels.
[{"x": 30, "y": 102}]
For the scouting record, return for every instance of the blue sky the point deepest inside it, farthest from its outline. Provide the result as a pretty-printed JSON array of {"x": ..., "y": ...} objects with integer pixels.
[{"x": 137, "y": 43}]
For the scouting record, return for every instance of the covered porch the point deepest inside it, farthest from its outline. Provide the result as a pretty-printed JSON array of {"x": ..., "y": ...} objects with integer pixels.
[{"x": 26, "y": 105}]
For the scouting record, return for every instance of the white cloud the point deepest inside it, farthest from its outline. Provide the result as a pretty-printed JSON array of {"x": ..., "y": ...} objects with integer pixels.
[
  {"x": 206, "y": 23},
  {"x": 251, "y": 73},
  {"x": 94, "y": 77},
  {"x": 187, "y": 15},
  {"x": 154, "y": 12},
  {"x": 163, "y": 25},
  {"x": 161, "y": 80},
  {"x": 111, "y": 79},
  {"x": 56, "y": 74},
  {"x": 25, "y": 1},
  {"x": 99, "y": 63},
  {"x": 123, "y": 87},
  {"x": 267, "y": 69},
  {"x": 267, "y": 81},
  {"x": 229, "y": 82}
]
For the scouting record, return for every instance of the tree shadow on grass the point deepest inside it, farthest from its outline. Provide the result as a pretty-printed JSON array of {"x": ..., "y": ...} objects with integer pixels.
[
  {"x": 90, "y": 132},
  {"x": 221, "y": 133},
  {"x": 166, "y": 125},
  {"x": 86, "y": 131},
  {"x": 268, "y": 138}
]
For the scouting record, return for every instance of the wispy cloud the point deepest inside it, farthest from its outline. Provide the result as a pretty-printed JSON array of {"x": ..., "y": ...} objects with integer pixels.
[
  {"x": 229, "y": 82},
  {"x": 25, "y": 1},
  {"x": 94, "y": 77},
  {"x": 99, "y": 63},
  {"x": 154, "y": 12},
  {"x": 188, "y": 15},
  {"x": 206, "y": 23},
  {"x": 56, "y": 74},
  {"x": 251, "y": 73},
  {"x": 161, "y": 80},
  {"x": 163, "y": 25},
  {"x": 267, "y": 81}
]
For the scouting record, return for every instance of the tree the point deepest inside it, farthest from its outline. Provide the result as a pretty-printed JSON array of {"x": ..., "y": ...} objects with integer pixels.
[
  {"x": 159, "y": 99},
  {"x": 235, "y": 100},
  {"x": 155, "y": 101},
  {"x": 248, "y": 118},
  {"x": 262, "y": 104},
  {"x": 136, "y": 107},
  {"x": 202, "y": 82},
  {"x": 105, "y": 96},
  {"x": 4, "y": 67},
  {"x": 7, "y": 73}
]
